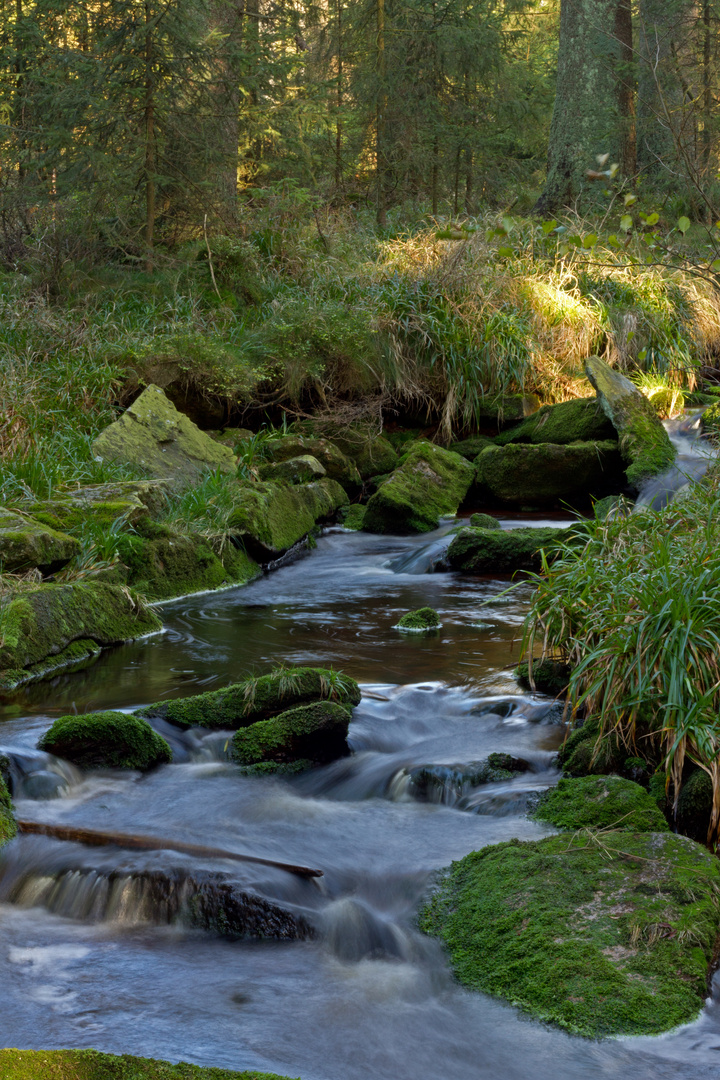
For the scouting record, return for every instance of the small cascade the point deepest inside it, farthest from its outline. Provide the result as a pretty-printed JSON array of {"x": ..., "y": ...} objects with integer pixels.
[
  {"x": 354, "y": 931},
  {"x": 694, "y": 456},
  {"x": 37, "y": 775},
  {"x": 427, "y": 560}
]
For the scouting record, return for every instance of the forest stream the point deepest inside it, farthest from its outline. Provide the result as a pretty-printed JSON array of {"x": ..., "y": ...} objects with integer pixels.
[{"x": 90, "y": 953}]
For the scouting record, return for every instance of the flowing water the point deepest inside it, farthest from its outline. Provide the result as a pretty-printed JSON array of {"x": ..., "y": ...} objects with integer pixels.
[
  {"x": 695, "y": 454},
  {"x": 122, "y": 950}
]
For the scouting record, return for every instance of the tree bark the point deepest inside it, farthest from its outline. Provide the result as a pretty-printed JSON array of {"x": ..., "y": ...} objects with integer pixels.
[
  {"x": 626, "y": 88},
  {"x": 381, "y": 165},
  {"x": 150, "y": 148}
]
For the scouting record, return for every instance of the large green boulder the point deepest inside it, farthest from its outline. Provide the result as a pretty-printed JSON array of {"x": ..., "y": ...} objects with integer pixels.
[
  {"x": 604, "y": 935},
  {"x": 153, "y": 437},
  {"x": 336, "y": 464},
  {"x": 8, "y": 826},
  {"x": 269, "y": 518},
  {"x": 470, "y": 448},
  {"x": 314, "y": 733},
  {"x": 48, "y": 627},
  {"x": 296, "y": 470},
  {"x": 580, "y": 420},
  {"x": 101, "y": 504},
  {"x": 548, "y": 473},
  {"x": 499, "y": 551},
  {"x": 258, "y": 698},
  {"x": 92, "y": 1065},
  {"x": 25, "y": 543},
  {"x": 106, "y": 740},
  {"x": 430, "y": 484},
  {"x": 601, "y": 802},
  {"x": 360, "y": 441},
  {"x": 644, "y": 443}
]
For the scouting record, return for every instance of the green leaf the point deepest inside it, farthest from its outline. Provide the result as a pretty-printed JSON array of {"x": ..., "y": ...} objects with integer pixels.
[
  {"x": 508, "y": 224},
  {"x": 505, "y": 252},
  {"x": 630, "y": 199},
  {"x": 626, "y": 222},
  {"x": 642, "y": 355},
  {"x": 715, "y": 265},
  {"x": 683, "y": 224},
  {"x": 548, "y": 226},
  {"x": 652, "y": 219},
  {"x": 590, "y": 240},
  {"x": 630, "y": 335}
]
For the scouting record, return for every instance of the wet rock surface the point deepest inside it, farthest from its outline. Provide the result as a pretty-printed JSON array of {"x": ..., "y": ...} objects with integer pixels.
[{"x": 26, "y": 543}]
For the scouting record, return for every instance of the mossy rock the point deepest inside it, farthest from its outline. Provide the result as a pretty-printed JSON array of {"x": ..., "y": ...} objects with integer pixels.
[
  {"x": 424, "y": 618},
  {"x": 101, "y": 504},
  {"x": 297, "y": 470},
  {"x": 601, "y": 938},
  {"x": 695, "y": 805},
  {"x": 48, "y": 626},
  {"x": 507, "y": 408},
  {"x": 581, "y": 420},
  {"x": 337, "y": 466},
  {"x": 153, "y": 437},
  {"x": 548, "y": 676},
  {"x": 26, "y": 543},
  {"x": 316, "y": 732},
  {"x": 353, "y": 517},
  {"x": 644, "y": 443},
  {"x": 106, "y": 740},
  {"x": 371, "y": 452},
  {"x": 495, "y": 551},
  {"x": 431, "y": 483},
  {"x": 255, "y": 699},
  {"x": 432, "y": 783},
  {"x": 8, "y": 826},
  {"x": 583, "y": 755},
  {"x": 91, "y": 1065},
  {"x": 548, "y": 473},
  {"x": 175, "y": 564},
  {"x": 483, "y": 521},
  {"x": 710, "y": 421},
  {"x": 269, "y": 519},
  {"x": 600, "y": 802},
  {"x": 470, "y": 448}
]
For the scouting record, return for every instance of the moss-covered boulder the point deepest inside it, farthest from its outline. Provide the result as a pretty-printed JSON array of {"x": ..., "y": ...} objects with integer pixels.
[
  {"x": 710, "y": 421},
  {"x": 8, "y": 826},
  {"x": 424, "y": 618},
  {"x": 609, "y": 938},
  {"x": 26, "y": 543},
  {"x": 337, "y": 466},
  {"x": 644, "y": 443},
  {"x": 162, "y": 563},
  {"x": 353, "y": 517},
  {"x": 269, "y": 519},
  {"x": 484, "y": 521},
  {"x": 580, "y": 420},
  {"x": 314, "y": 733},
  {"x": 470, "y": 448},
  {"x": 548, "y": 676},
  {"x": 431, "y": 483},
  {"x": 100, "y": 505},
  {"x": 48, "y": 627},
  {"x": 695, "y": 805},
  {"x": 297, "y": 470},
  {"x": 258, "y": 698},
  {"x": 153, "y": 437},
  {"x": 497, "y": 551},
  {"x": 547, "y": 473},
  {"x": 106, "y": 740},
  {"x": 585, "y": 754},
  {"x": 91, "y": 1065},
  {"x": 601, "y": 802},
  {"x": 448, "y": 783}
]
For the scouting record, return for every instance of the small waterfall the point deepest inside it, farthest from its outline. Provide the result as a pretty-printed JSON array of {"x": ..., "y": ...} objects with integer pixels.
[
  {"x": 694, "y": 456},
  {"x": 354, "y": 931},
  {"x": 37, "y": 775},
  {"x": 427, "y": 560}
]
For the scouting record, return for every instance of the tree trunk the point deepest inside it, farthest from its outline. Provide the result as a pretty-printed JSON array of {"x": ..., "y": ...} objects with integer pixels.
[
  {"x": 228, "y": 16},
  {"x": 381, "y": 164},
  {"x": 662, "y": 120},
  {"x": 338, "y": 124},
  {"x": 150, "y": 148},
  {"x": 626, "y": 88}
]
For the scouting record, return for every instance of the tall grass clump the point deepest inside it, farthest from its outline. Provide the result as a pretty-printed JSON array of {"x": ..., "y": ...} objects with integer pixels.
[{"x": 633, "y": 605}]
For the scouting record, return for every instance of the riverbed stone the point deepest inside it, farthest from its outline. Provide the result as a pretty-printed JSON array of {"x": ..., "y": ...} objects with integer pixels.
[
  {"x": 315, "y": 733},
  {"x": 579, "y": 420},
  {"x": 422, "y": 619},
  {"x": 26, "y": 543},
  {"x": 99, "y": 505},
  {"x": 606, "y": 938},
  {"x": 548, "y": 473},
  {"x": 93, "y": 1065},
  {"x": 437, "y": 783},
  {"x": 600, "y": 802},
  {"x": 500, "y": 551},
  {"x": 268, "y": 519},
  {"x": 8, "y": 826},
  {"x": 298, "y": 470},
  {"x": 430, "y": 484},
  {"x": 548, "y": 676},
  {"x": 483, "y": 521},
  {"x": 470, "y": 448},
  {"x": 161, "y": 442},
  {"x": 256, "y": 699},
  {"x": 644, "y": 443},
  {"x": 48, "y": 627},
  {"x": 337, "y": 466},
  {"x": 106, "y": 740},
  {"x": 360, "y": 441}
]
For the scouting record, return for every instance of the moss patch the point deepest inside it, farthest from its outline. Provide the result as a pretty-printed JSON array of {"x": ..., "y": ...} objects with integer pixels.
[
  {"x": 424, "y": 618},
  {"x": 581, "y": 420},
  {"x": 548, "y": 676},
  {"x": 270, "y": 518},
  {"x": 431, "y": 482},
  {"x": 110, "y": 740},
  {"x": 601, "y": 802},
  {"x": 8, "y": 827},
  {"x": 484, "y": 521},
  {"x": 315, "y": 732},
  {"x": 602, "y": 938},
  {"x": 495, "y": 551},
  {"x": 174, "y": 564},
  {"x": 470, "y": 448},
  {"x": 548, "y": 473},
  {"x": 353, "y": 517},
  {"x": 337, "y": 466},
  {"x": 255, "y": 699},
  {"x": 91, "y": 1065},
  {"x": 26, "y": 543}
]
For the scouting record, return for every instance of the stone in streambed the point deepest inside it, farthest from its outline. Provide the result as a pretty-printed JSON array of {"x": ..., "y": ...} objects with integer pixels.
[
  {"x": 26, "y": 543},
  {"x": 425, "y": 618},
  {"x": 484, "y": 521},
  {"x": 430, "y": 484},
  {"x": 256, "y": 699},
  {"x": 580, "y": 420},
  {"x": 470, "y": 448},
  {"x": 93, "y": 1065},
  {"x": 337, "y": 466},
  {"x": 297, "y": 470},
  {"x": 268, "y": 519},
  {"x": 644, "y": 444},
  {"x": 360, "y": 441},
  {"x": 154, "y": 437},
  {"x": 600, "y": 802},
  {"x": 102, "y": 504},
  {"x": 547, "y": 473},
  {"x": 548, "y": 676},
  {"x": 106, "y": 740},
  {"x": 353, "y": 517},
  {"x": 497, "y": 551},
  {"x": 447, "y": 783},
  {"x": 314, "y": 733}
]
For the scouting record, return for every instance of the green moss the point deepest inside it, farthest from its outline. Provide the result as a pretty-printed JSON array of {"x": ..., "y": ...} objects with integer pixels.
[
  {"x": 711, "y": 420},
  {"x": 548, "y": 473},
  {"x": 695, "y": 805},
  {"x": 337, "y": 466},
  {"x": 581, "y": 420},
  {"x": 177, "y": 564},
  {"x": 255, "y": 699},
  {"x": 8, "y": 826},
  {"x": 601, "y": 802},
  {"x": 494, "y": 551},
  {"x": 605, "y": 938},
  {"x": 424, "y": 618},
  {"x": 583, "y": 754},
  {"x": 100, "y": 505},
  {"x": 484, "y": 521},
  {"x": 298, "y": 470},
  {"x": 315, "y": 732},
  {"x": 353, "y": 517},
  {"x": 26, "y": 543},
  {"x": 91, "y": 1065},
  {"x": 111, "y": 740},
  {"x": 431, "y": 483},
  {"x": 470, "y": 448},
  {"x": 370, "y": 452},
  {"x": 270, "y": 518},
  {"x": 549, "y": 676},
  {"x": 51, "y": 618}
]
